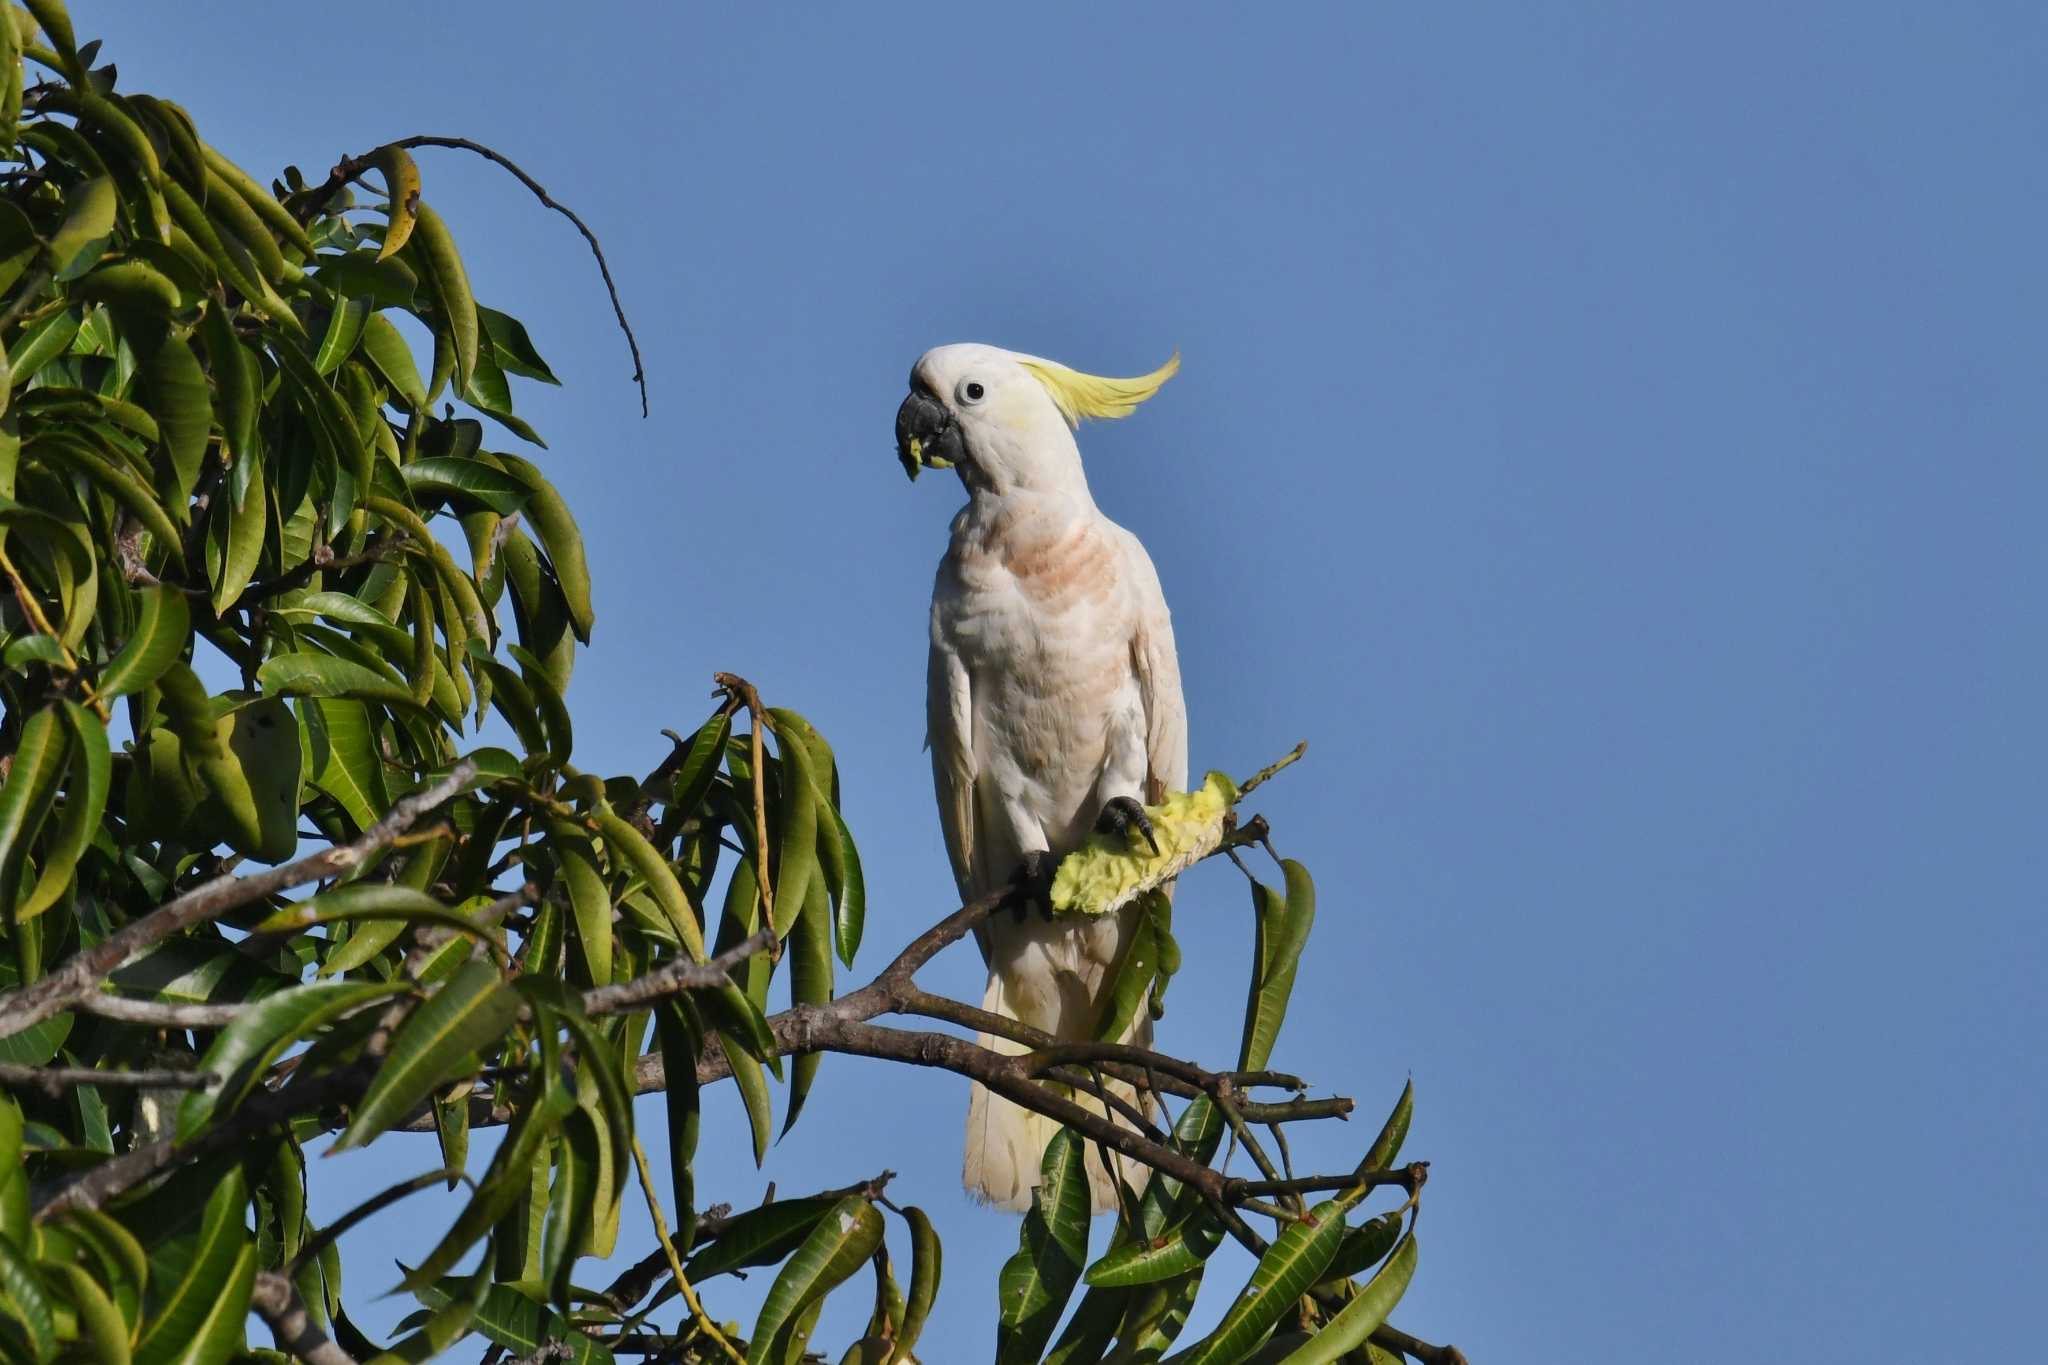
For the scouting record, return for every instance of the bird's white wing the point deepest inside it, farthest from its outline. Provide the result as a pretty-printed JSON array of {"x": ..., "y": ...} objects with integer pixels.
[
  {"x": 1157, "y": 665},
  {"x": 949, "y": 734}
]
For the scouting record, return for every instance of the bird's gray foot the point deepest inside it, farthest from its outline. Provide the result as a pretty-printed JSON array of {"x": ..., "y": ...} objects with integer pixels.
[
  {"x": 1033, "y": 881},
  {"x": 1121, "y": 815}
]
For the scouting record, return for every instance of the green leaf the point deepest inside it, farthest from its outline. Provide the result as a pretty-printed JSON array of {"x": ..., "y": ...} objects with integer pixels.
[
  {"x": 1282, "y": 930},
  {"x": 680, "y": 1035},
  {"x": 260, "y": 1034},
  {"x": 760, "y": 1236},
  {"x": 851, "y": 920},
  {"x": 359, "y": 274},
  {"x": 85, "y": 802},
  {"x": 1364, "y": 1245},
  {"x": 102, "y": 1329},
  {"x": 516, "y": 1322},
  {"x": 183, "y": 407},
  {"x": 1144, "y": 1262},
  {"x": 213, "y": 1264},
  {"x": 1296, "y": 1259},
  {"x": 520, "y": 1157},
  {"x": 88, "y": 222},
  {"x": 163, "y": 623},
  {"x": 589, "y": 900},
  {"x": 403, "y": 904},
  {"x": 33, "y": 649},
  {"x": 623, "y": 841},
  {"x": 253, "y": 776},
  {"x": 130, "y": 491},
  {"x": 700, "y": 765},
  {"x": 245, "y": 522},
  {"x": 305, "y": 674},
  {"x": 837, "y": 1246},
  {"x": 1036, "y": 1281},
  {"x": 218, "y": 1334},
  {"x": 1392, "y": 1133},
  {"x": 469, "y": 1013},
  {"x": 386, "y": 348},
  {"x": 560, "y": 537},
  {"x": 926, "y": 1262},
  {"x": 345, "y": 326},
  {"x": 515, "y": 352},
  {"x": 402, "y": 193},
  {"x": 796, "y": 843},
  {"x": 39, "y": 761},
  {"x": 41, "y": 342},
  {"x": 132, "y": 285},
  {"x": 440, "y": 476},
  {"x": 435, "y": 247},
  {"x": 1132, "y": 979},
  {"x": 1348, "y": 1330},
  {"x": 753, "y": 1088},
  {"x": 343, "y": 757},
  {"x": 810, "y": 983},
  {"x": 23, "y": 1297}
]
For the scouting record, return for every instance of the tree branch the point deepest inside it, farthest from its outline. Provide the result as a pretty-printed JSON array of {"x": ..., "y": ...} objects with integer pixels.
[
  {"x": 157, "y": 1013},
  {"x": 55, "y": 1080},
  {"x": 292, "y": 1326},
  {"x": 81, "y": 974}
]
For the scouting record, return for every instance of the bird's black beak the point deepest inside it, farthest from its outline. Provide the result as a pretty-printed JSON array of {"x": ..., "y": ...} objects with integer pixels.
[{"x": 926, "y": 434}]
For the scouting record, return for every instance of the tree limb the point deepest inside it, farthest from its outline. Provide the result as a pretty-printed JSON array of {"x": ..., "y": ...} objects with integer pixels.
[
  {"x": 279, "y": 1305},
  {"x": 81, "y": 974},
  {"x": 55, "y": 1080}
]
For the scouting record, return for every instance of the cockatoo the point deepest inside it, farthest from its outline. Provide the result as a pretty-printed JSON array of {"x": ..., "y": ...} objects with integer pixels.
[{"x": 1053, "y": 701}]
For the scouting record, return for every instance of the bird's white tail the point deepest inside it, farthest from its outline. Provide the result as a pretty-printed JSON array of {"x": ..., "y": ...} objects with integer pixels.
[{"x": 1006, "y": 1142}]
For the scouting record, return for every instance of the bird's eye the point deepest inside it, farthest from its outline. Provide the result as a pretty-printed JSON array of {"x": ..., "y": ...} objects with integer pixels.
[{"x": 972, "y": 392}]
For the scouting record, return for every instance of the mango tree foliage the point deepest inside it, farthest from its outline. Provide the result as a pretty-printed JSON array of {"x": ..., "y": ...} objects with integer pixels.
[{"x": 277, "y": 545}]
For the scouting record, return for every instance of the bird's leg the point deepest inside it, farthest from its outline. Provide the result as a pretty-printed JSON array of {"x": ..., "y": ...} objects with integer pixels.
[
  {"x": 1121, "y": 815},
  {"x": 1033, "y": 880}
]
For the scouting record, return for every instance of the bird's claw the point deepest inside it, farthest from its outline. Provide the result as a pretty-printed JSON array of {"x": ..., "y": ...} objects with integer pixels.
[
  {"x": 1121, "y": 815},
  {"x": 1033, "y": 881}
]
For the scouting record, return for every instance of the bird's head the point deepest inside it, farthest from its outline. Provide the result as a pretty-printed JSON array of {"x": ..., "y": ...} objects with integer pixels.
[{"x": 1006, "y": 420}]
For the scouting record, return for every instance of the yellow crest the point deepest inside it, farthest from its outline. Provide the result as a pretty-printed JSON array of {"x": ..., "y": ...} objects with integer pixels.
[{"x": 1080, "y": 395}]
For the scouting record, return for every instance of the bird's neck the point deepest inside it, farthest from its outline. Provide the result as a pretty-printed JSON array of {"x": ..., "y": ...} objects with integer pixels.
[{"x": 991, "y": 518}]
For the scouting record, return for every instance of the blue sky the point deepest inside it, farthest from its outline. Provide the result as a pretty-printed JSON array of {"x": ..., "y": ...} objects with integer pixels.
[{"x": 1611, "y": 436}]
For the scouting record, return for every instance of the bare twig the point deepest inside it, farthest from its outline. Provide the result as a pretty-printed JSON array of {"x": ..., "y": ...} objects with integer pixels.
[
  {"x": 1265, "y": 774},
  {"x": 55, "y": 1080},
  {"x": 157, "y": 1013},
  {"x": 679, "y": 975},
  {"x": 1409, "y": 1178},
  {"x": 1393, "y": 1338},
  {"x": 292, "y": 1326},
  {"x": 81, "y": 974},
  {"x": 349, "y": 167}
]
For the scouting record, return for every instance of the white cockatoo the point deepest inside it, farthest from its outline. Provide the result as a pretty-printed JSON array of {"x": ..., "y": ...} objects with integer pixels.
[{"x": 1053, "y": 700}]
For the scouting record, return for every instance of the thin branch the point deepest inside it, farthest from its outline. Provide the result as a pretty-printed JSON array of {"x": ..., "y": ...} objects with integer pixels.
[
  {"x": 26, "y": 296},
  {"x": 80, "y": 976},
  {"x": 1391, "y": 1338},
  {"x": 1409, "y": 1178},
  {"x": 1263, "y": 775},
  {"x": 676, "y": 977},
  {"x": 380, "y": 548},
  {"x": 350, "y": 167},
  {"x": 157, "y": 1013},
  {"x": 369, "y": 1208},
  {"x": 55, "y": 1080},
  {"x": 94, "y": 1186},
  {"x": 280, "y": 1305}
]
